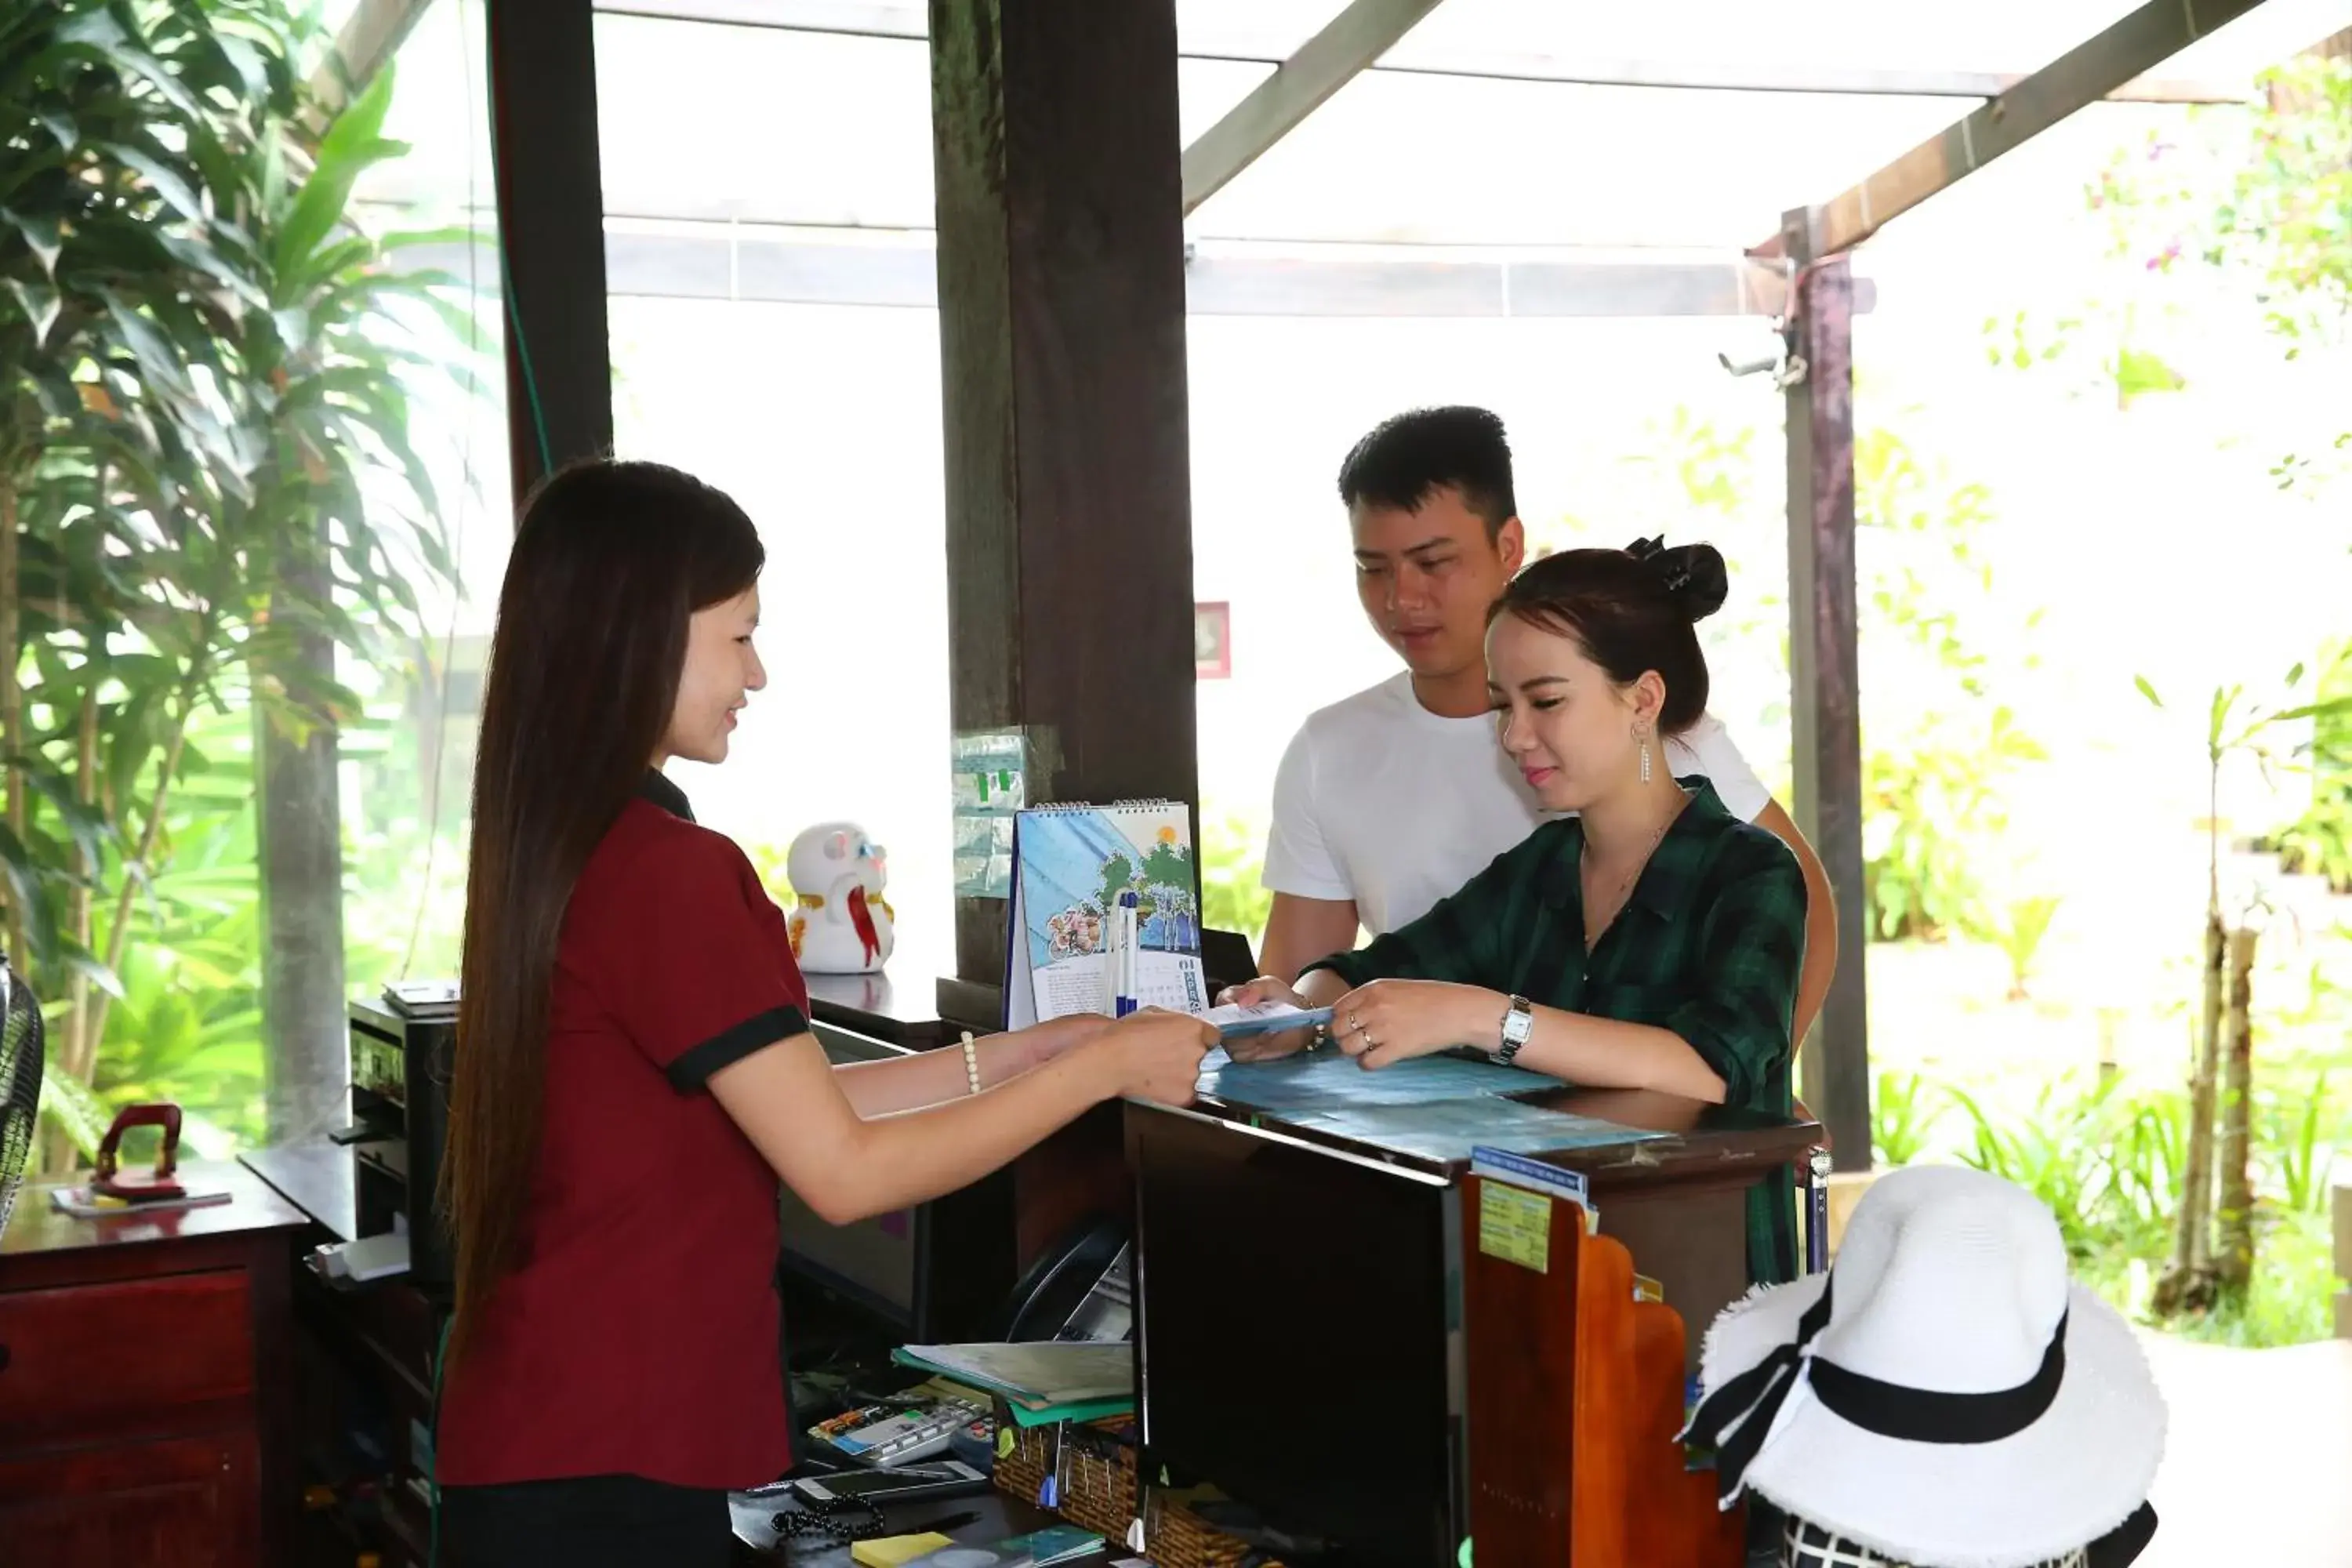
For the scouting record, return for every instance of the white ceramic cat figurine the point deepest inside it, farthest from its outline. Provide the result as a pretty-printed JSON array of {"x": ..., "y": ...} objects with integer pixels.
[{"x": 840, "y": 924}]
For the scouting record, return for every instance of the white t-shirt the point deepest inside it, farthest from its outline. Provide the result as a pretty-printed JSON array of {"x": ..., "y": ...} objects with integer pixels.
[{"x": 1379, "y": 801}]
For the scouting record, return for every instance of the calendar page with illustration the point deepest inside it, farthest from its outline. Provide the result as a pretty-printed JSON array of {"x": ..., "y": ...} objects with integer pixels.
[{"x": 1078, "y": 871}]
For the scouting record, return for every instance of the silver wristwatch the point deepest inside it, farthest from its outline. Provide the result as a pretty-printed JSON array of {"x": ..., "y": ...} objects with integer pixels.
[{"x": 1518, "y": 1023}]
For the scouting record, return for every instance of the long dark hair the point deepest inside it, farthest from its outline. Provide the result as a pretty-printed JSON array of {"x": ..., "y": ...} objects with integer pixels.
[
  {"x": 610, "y": 563},
  {"x": 1630, "y": 611}
]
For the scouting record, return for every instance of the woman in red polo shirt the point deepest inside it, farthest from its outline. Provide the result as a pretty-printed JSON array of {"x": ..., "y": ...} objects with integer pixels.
[{"x": 635, "y": 1071}]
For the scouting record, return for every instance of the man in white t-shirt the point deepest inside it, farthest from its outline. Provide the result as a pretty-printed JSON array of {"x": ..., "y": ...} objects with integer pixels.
[{"x": 1391, "y": 799}]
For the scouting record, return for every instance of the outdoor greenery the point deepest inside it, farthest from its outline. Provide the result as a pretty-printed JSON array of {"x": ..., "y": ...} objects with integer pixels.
[
  {"x": 2108, "y": 1158},
  {"x": 2265, "y": 202},
  {"x": 207, "y": 490},
  {"x": 2320, "y": 841},
  {"x": 1233, "y": 890}
]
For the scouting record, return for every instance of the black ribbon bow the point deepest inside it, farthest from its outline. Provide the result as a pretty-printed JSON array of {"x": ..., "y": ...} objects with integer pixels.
[{"x": 1751, "y": 1400}]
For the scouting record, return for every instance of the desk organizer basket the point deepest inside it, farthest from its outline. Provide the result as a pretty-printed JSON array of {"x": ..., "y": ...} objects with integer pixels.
[
  {"x": 1177, "y": 1538},
  {"x": 1095, "y": 1490},
  {"x": 1096, "y": 1486}
]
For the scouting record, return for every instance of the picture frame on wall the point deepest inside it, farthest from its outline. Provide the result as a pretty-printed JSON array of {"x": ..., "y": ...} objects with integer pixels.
[{"x": 1212, "y": 640}]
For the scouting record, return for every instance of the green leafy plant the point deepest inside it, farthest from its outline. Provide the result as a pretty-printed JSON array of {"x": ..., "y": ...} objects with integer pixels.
[
  {"x": 2295, "y": 1134},
  {"x": 1902, "y": 1114},
  {"x": 200, "y": 360},
  {"x": 2020, "y": 935},
  {"x": 2320, "y": 840},
  {"x": 1929, "y": 798},
  {"x": 2059, "y": 1153},
  {"x": 2264, "y": 199},
  {"x": 1933, "y": 768},
  {"x": 186, "y": 1026},
  {"x": 2147, "y": 1152},
  {"x": 2214, "y": 1235}
]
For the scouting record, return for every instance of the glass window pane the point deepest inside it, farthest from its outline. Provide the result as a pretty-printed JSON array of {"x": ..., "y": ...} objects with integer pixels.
[
  {"x": 823, "y": 423},
  {"x": 406, "y": 786},
  {"x": 785, "y": 127}
]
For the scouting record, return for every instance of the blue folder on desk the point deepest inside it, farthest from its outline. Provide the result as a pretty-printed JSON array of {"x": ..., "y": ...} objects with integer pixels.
[
  {"x": 1433, "y": 1108},
  {"x": 1327, "y": 1080}
]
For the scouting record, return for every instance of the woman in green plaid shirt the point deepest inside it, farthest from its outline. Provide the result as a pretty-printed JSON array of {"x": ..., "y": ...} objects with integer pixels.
[{"x": 1651, "y": 940}]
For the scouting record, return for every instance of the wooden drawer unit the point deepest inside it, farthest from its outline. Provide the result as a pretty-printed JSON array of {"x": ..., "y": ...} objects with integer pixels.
[
  {"x": 94, "y": 1356},
  {"x": 187, "y": 1502},
  {"x": 145, "y": 1409}
]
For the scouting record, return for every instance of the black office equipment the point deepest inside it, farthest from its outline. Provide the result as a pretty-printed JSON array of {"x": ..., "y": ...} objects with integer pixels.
[
  {"x": 401, "y": 1052},
  {"x": 21, "y": 1053},
  {"x": 938, "y": 1273},
  {"x": 943, "y": 1272},
  {"x": 1077, "y": 1291},
  {"x": 1270, "y": 1273},
  {"x": 945, "y": 1479}
]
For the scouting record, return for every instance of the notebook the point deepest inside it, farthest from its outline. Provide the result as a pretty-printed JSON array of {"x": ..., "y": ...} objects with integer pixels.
[
  {"x": 1060, "y": 1543},
  {"x": 1071, "y": 865},
  {"x": 895, "y": 1551}
]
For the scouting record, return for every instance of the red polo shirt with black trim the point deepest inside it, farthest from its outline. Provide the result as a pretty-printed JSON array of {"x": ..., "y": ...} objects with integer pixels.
[{"x": 639, "y": 1332}]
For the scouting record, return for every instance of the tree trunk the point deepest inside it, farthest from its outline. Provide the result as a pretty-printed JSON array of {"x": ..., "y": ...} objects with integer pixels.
[
  {"x": 2186, "y": 1281},
  {"x": 2233, "y": 1243},
  {"x": 78, "y": 1054},
  {"x": 300, "y": 806},
  {"x": 82, "y": 1045}
]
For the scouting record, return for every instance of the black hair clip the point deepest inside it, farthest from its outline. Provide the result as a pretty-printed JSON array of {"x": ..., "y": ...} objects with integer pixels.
[{"x": 1673, "y": 566}]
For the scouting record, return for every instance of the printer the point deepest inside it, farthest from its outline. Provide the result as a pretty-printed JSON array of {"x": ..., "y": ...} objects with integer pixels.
[{"x": 401, "y": 1045}]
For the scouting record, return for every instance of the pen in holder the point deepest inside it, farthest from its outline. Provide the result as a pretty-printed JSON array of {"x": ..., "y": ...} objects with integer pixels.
[{"x": 1124, "y": 936}]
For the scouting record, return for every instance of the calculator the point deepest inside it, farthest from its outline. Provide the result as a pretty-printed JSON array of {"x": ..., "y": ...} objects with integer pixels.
[{"x": 888, "y": 1434}]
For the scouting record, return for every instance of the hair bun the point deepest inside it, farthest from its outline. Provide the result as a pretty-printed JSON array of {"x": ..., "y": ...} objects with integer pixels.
[{"x": 1693, "y": 574}]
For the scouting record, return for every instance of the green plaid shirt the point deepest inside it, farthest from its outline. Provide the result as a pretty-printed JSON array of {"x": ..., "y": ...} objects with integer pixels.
[{"x": 1709, "y": 947}]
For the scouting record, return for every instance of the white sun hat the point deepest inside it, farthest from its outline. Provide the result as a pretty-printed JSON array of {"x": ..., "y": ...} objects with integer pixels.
[{"x": 1944, "y": 1395}]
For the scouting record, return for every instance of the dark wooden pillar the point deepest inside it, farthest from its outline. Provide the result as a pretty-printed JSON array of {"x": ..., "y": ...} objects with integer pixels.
[
  {"x": 1061, "y": 268},
  {"x": 551, "y": 199},
  {"x": 1824, "y": 673}
]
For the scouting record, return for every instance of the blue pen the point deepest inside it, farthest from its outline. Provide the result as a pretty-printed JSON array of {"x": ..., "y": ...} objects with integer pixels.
[{"x": 1124, "y": 998}]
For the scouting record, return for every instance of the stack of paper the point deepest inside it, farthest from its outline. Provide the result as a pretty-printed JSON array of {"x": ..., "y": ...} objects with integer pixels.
[{"x": 1048, "y": 1375}]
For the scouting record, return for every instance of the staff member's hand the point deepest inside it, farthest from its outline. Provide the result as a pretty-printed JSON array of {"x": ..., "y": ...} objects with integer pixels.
[
  {"x": 1391, "y": 1020},
  {"x": 1155, "y": 1055},
  {"x": 1267, "y": 1047}
]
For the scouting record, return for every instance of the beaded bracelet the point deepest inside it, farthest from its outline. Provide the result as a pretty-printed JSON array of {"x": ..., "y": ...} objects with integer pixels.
[
  {"x": 842, "y": 1520},
  {"x": 971, "y": 1062}
]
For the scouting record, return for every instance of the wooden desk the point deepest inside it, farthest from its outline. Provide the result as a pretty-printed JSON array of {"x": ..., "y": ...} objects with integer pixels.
[
  {"x": 1676, "y": 1201},
  {"x": 145, "y": 1386},
  {"x": 879, "y": 1007},
  {"x": 363, "y": 1373},
  {"x": 1316, "y": 1282}
]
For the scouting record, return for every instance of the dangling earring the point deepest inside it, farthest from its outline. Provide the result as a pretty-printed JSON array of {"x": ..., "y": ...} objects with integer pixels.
[{"x": 1643, "y": 732}]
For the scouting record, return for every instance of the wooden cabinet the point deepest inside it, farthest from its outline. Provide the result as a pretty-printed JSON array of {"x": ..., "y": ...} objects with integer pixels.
[
  {"x": 189, "y": 1502},
  {"x": 144, "y": 1398}
]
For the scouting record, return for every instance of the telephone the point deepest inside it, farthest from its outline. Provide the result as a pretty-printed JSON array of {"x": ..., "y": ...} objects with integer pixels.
[{"x": 1077, "y": 1291}]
